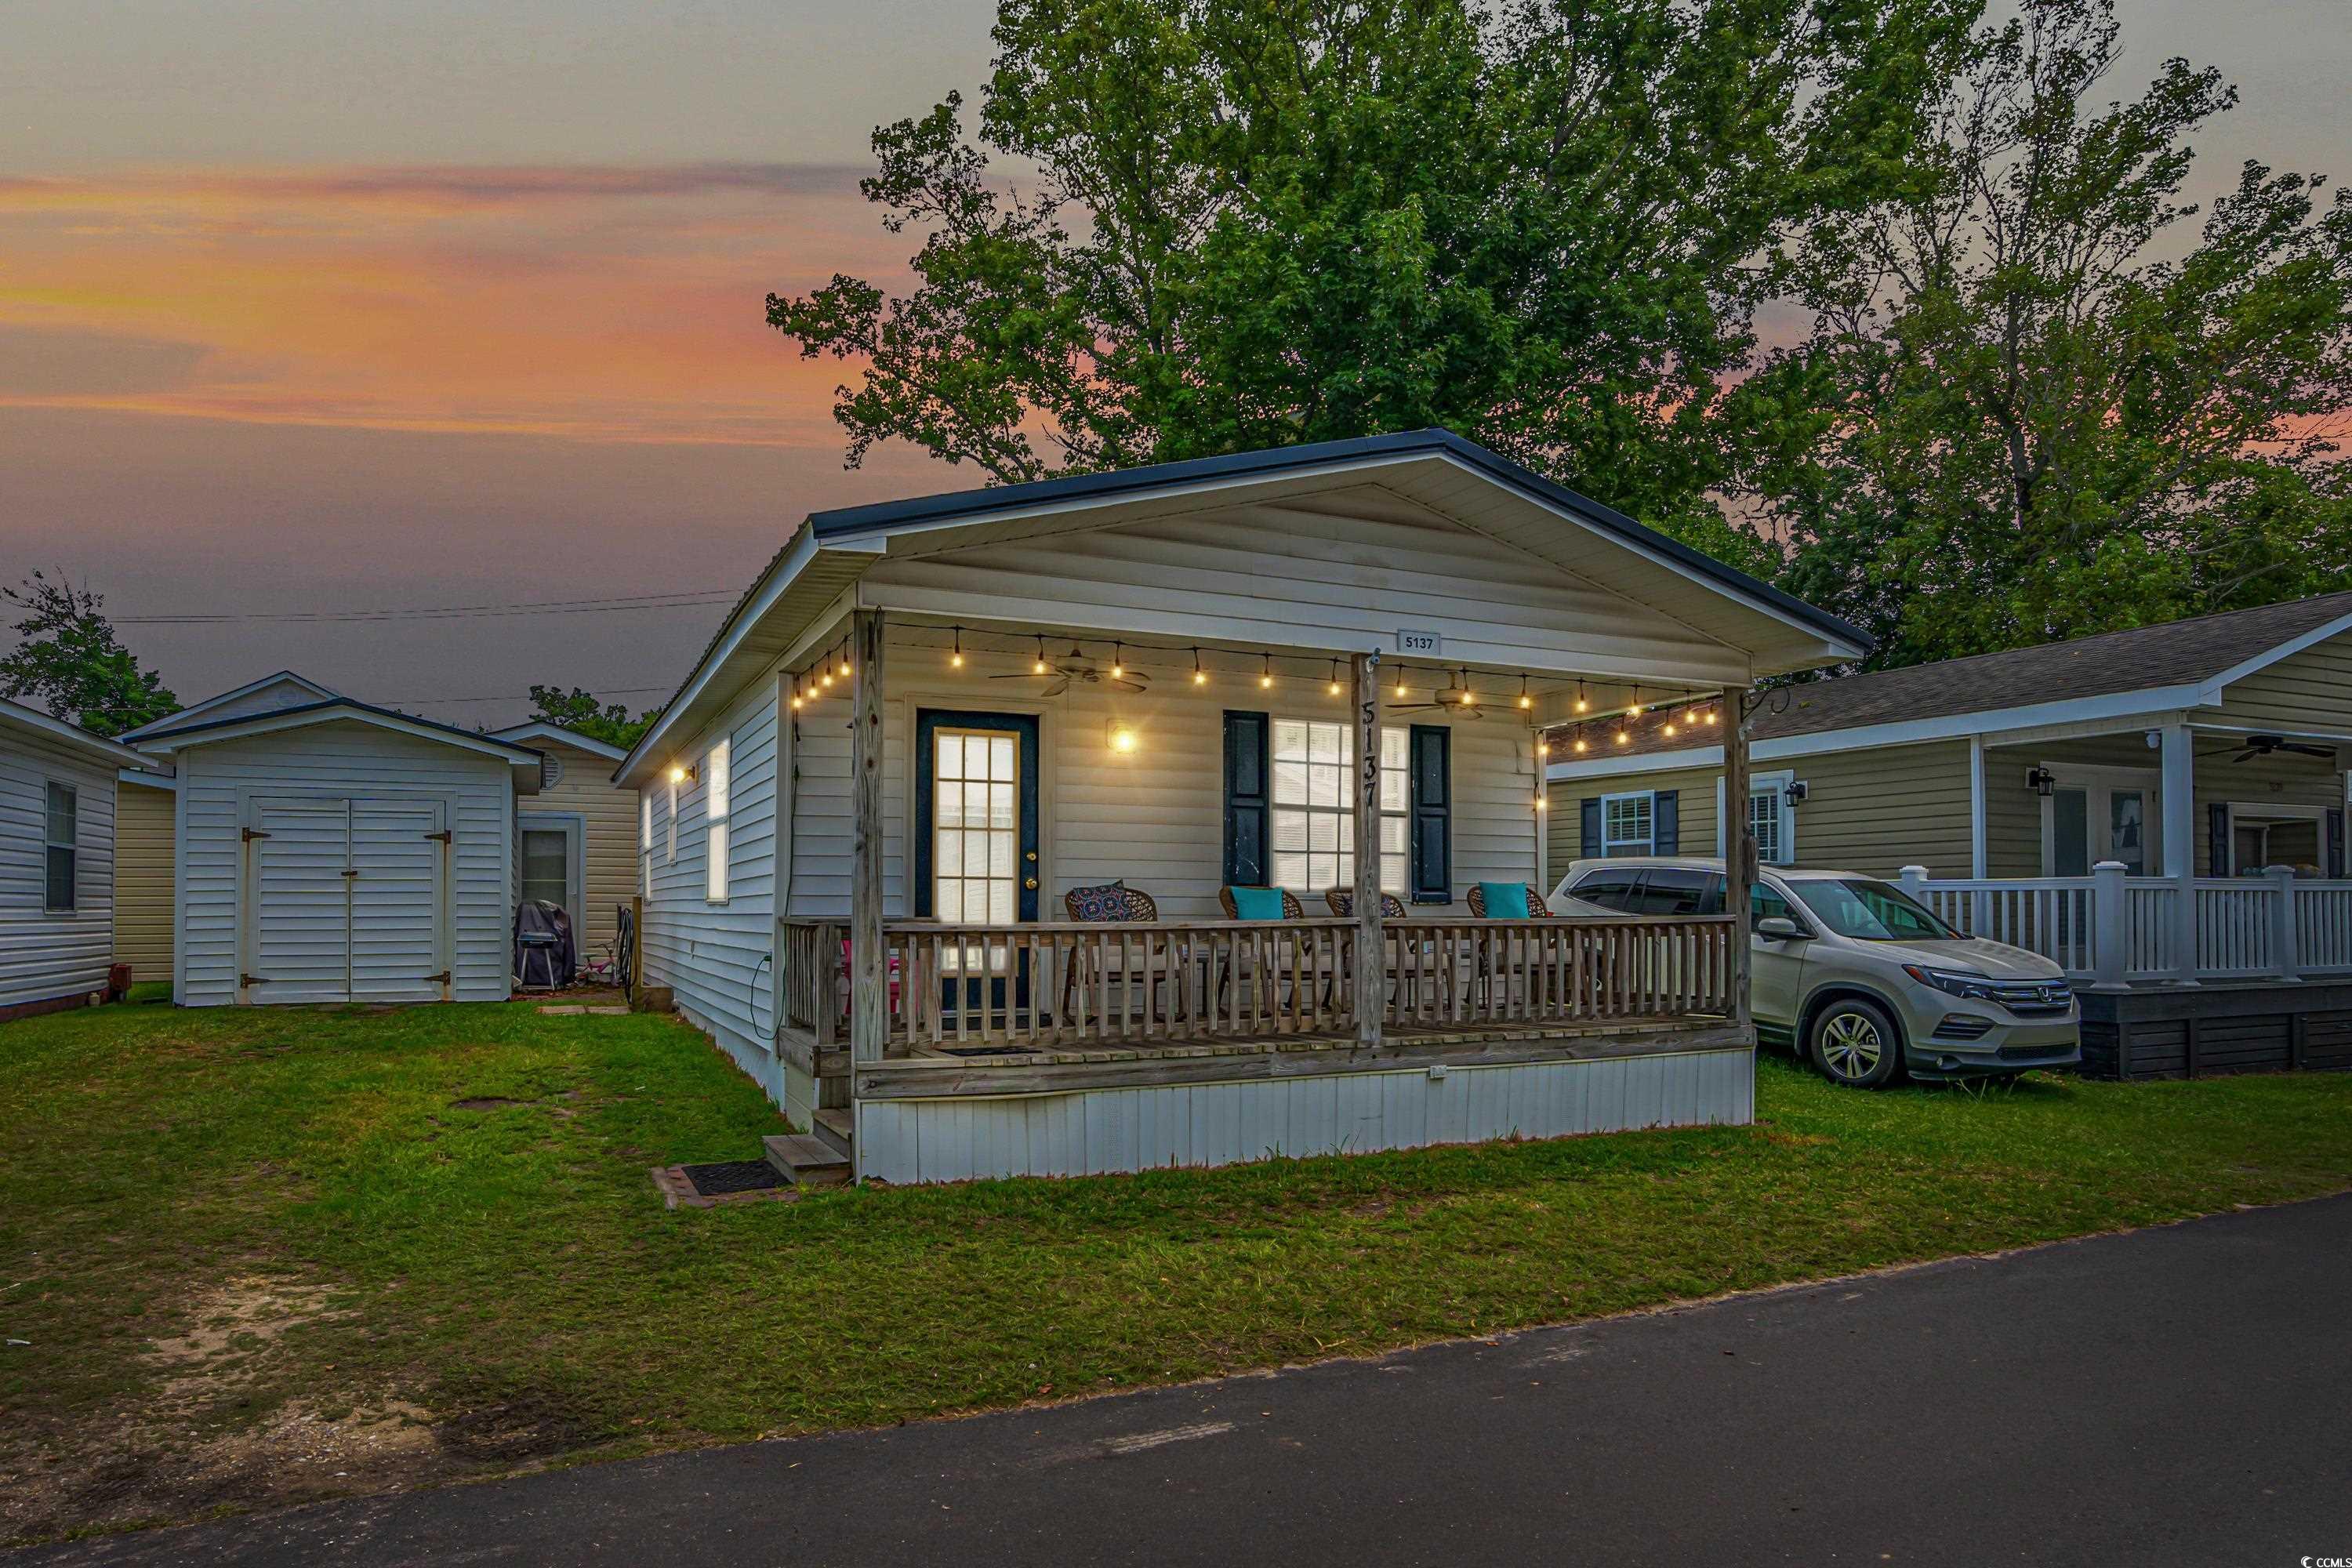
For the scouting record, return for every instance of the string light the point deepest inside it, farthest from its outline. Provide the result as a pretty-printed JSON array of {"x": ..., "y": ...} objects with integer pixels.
[
  {"x": 1400, "y": 684},
  {"x": 1118, "y": 660},
  {"x": 955, "y": 660},
  {"x": 1581, "y": 703},
  {"x": 1040, "y": 668},
  {"x": 1335, "y": 677},
  {"x": 1465, "y": 686},
  {"x": 1266, "y": 669},
  {"x": 1712, "y": 715},
  {"x": 1580, "y": 742},
  {"x": 1525, "y": 701},
  {"x": 796, "y": 693},
  {"x": 1200, "y": 676},
  {"x": 1670, "y": 729}
]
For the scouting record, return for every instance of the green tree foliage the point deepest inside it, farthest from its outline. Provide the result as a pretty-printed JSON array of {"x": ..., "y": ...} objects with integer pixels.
[
  {"x": 1260, "y": 222},
  {"x": 579, "y": 710},
  {"x": 2037, "y": 404},
  {"x": 69, "y": 661}
]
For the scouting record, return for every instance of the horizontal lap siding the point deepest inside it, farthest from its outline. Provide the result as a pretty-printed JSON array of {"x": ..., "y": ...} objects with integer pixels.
[
  {"x": 346, "y": 761},
  {"x": 2311, "y": 691},
  {"x": 610, "y": 854},
  {"x": 716, "y": 957},
  {"x": 45, "y": 955},
  {"x": 2014, "y": 811},
  {"x": 1095, "y": 1131},
  {"x": 143, "y": 879},
  {"x": 1694, "y": 792}
]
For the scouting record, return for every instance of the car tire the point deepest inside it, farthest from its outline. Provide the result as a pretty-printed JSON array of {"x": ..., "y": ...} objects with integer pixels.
[{"x": 1853, "y": 1044}]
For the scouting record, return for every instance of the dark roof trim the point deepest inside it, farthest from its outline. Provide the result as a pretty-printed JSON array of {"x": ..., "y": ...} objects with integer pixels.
[
  {"x": 369, "y": 709},
  {"x": 885, "y": 516}
]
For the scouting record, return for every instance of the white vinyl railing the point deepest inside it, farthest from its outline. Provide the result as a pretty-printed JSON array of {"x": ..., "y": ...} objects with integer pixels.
[{"x": 2118, "y": 929}]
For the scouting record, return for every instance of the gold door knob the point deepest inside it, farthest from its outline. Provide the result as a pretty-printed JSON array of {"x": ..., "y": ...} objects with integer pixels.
[{"x": 1031, "y": 884}]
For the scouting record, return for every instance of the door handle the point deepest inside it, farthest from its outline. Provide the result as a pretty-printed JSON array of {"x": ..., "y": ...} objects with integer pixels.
[
  {"x": 1031, "y": 884},
  {"x": 1031, "y": 856}
]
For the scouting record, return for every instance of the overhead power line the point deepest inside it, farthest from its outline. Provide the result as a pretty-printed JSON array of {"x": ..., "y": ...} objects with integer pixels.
[
  {"x": 693, "y": 598},
  {"x": 519, "y": 696}
]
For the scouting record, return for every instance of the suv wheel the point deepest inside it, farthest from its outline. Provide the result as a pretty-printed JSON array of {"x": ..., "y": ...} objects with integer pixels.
[{"x": 1855, "y": 1043}]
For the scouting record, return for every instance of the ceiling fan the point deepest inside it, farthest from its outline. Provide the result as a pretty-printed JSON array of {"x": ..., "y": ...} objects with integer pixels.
[
  {"x": 1073, "y": 666},
  {"x": 2264, "y": 745},
  {"x": 1449, "y": 701}
]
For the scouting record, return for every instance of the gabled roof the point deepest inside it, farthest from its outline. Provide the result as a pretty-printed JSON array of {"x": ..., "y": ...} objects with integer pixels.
[
  {"x": 195, "y": 713},
  {"x": 2174, "y": 664},
  {"x": 31, "y": 723},
  {"x": 525, "y": 760},
  {"x": 825, "y": 560},
  {"x": 558, "y": 734}
]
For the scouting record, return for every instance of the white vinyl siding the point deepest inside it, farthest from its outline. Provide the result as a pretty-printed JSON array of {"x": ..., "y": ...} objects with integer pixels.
[
  {"x": 1629, "y": 824},
  {"x": 716, "y": 801},
  {"x": 344, "y": 762},
  {"x": 46, "y": 954}
]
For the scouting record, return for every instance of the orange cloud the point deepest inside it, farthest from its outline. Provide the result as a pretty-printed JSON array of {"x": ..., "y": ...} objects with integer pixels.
[{"x": 607, "y": 304}]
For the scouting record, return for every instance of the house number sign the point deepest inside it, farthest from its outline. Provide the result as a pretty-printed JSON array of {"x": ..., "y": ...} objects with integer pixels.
[{"x": 1428, "y": 645}]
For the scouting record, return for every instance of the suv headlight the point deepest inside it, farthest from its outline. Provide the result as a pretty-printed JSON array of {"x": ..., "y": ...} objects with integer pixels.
[{"x": 1960, "y": 982}]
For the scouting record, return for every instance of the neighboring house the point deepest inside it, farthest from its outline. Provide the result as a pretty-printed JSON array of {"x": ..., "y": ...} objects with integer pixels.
[
  {"x": 2186, "y": 757},
  {"x": 576, "y": 845},
  {"x": 56, "y": 859},
  {"x": 939, "y": 741},
  {"x": 325, "y": 850}
]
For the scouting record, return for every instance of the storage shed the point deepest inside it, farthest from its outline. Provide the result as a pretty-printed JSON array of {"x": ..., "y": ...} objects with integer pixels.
[
  {"x": 327, "y": 850},
  {"x": 56, "y": 859}
]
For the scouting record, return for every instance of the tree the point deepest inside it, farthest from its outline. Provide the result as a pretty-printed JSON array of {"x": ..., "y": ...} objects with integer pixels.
[
  {"x": 579, "y": 709},
  {"x": 1260, "y": 222},
  {"x": 2017, "y": 420},
  {"x": 69, "y": 661}
]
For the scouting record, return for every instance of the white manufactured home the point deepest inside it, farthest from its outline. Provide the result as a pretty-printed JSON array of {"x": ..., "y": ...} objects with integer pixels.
[
  {"x": 56, "y": 859},
  {"x": 1014, "y": 831}
]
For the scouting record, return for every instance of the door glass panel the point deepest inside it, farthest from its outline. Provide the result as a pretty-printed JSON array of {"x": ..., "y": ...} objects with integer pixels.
[
  {"x": 2070, "y": 835},
  {"x": 546, "y": 866},
  {"x": 975, "y": 831},
  {"x": 2126, "y": 830}
]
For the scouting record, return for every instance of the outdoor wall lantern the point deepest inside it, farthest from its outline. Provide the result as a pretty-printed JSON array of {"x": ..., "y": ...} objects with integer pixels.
[
  {"x": 1796, "y": 792},
  {"x": 2041, "y": 780},
  {"x": 1122, "y": 738},
  {"x": 679, "y": 773}
]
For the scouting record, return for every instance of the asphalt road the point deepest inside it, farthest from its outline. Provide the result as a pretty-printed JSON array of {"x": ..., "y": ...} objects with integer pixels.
[{"x": 2181, "y": 1395}]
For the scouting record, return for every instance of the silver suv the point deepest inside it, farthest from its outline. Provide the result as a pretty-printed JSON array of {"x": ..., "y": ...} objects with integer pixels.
[{"x": 1855, "y": 975}]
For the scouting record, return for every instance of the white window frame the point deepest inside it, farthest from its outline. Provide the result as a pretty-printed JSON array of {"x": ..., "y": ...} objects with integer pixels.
[
  {"x": 1623, "y": 849},
  {"x": 718, "y": 791},
  {"x": 645, "y": 843},
  {"x": 670, "y": 858},
  {"x": 70, "y": 844},
  {"x": 2278, "y": 811},
  {"x": 1395, "y": 779}
]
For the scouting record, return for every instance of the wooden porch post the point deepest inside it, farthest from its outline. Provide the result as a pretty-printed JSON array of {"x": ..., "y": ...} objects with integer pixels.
[
  {"x": 1739, "y": 848},
  {"x": 869, "y": 994},
  {"x": 1372, "y": 957}
]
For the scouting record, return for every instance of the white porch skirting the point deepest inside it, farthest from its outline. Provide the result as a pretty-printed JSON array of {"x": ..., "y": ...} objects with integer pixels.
[{"x": 1097, "y": 1131}]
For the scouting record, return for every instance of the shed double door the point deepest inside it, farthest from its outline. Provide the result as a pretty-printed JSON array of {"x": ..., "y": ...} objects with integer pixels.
[{"x": 343, "y": 901}]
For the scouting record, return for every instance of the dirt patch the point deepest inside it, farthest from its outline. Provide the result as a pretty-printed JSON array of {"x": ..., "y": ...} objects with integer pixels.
[{"x": 483, "y": 1103}]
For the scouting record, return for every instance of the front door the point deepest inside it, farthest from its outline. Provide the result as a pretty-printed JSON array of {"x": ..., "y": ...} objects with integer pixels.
[
  {"x": 2089, "y": 820},
  {"x": 976, "y": 840}
]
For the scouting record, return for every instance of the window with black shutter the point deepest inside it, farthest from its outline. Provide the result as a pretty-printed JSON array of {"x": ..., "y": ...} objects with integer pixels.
[
  {"x": 1432, "y": 814},
  {"x": 1247, "y": 803}
]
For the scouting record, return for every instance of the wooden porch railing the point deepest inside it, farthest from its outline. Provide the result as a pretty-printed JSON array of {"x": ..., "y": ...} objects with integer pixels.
[{"x": 1061, "y": 984}]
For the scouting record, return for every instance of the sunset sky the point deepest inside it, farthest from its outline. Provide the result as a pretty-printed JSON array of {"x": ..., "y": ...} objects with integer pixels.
[{"x": 379, "y": 305}]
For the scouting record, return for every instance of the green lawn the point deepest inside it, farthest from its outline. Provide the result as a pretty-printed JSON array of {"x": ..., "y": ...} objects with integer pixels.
[{"x": 229, "y": 1235}]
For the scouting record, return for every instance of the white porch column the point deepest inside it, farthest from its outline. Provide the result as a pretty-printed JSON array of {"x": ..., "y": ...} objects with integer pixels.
[
  {"x": 2179, "y": 790},
  {"x": 2110, "y": 925},
  {"x": 2286, "y": 963},
  {"x": 1739, "y": 849},
  {"x": 869, "y": 994},
  {"x": 1977, "y": 854},
  {"x": 1371, "y": 977}
]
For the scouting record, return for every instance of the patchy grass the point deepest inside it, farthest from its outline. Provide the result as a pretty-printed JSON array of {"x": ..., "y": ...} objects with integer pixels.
[{"x": 269, "y": 1255}]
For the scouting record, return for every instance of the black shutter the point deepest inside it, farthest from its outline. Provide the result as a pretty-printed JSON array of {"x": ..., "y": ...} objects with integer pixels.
[
  {"x": 1665, "y": 823},
  {"x": 1591, "y": 825},
  {"x": 1248, "y": 784},
  {"x": 1432, "y": 753},
  {"x": 2218, "y": 845},
  {"x": 2335, "y": 842}
]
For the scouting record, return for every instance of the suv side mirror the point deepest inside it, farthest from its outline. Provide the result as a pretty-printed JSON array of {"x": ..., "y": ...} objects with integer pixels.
[{"x": 1777, "y": 928}]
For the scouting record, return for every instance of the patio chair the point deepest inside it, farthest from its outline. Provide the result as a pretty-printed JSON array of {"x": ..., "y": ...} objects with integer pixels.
[
  {"x": 1343, "y": 904},
  {"x": 1537, "y": 909},
  {"x": 1292, "y": 910},
  {"x": 1109, "y": 904}
]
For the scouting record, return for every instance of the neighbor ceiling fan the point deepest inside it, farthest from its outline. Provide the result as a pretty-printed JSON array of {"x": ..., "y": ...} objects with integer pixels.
[
  {"x": 2263, "y": 745},
  {"x": 1073, "y": 666},
  {"x": 1449, "y": 701}
]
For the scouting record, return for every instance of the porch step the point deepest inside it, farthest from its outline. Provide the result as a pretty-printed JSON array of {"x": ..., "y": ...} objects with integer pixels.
[
  {"x": 806, "y": 1162},
  {"x": 835, "y": 1128}
]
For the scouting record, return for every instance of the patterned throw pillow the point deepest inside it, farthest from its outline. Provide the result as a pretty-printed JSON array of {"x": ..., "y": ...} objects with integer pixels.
[{"x": 1107, "y": 902}]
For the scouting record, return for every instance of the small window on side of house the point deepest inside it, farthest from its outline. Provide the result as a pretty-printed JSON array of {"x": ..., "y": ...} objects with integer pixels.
[
  {"x": 61, "y": 839},
  {"x": 1628, "y": 824},
  {"x": 717, "y": 787}
]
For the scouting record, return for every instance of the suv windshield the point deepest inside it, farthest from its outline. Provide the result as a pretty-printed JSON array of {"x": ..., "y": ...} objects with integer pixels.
[{"x": 1871, "y": 911}]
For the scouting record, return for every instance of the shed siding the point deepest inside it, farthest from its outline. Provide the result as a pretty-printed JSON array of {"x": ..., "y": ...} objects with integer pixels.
[
  {"x": 44, "y": 955},
  {"x": 718, "y": 958},
  {"x": 343, "y": 759},
  {"x": 2307, "y": 691},
  {"x": 143, "y": 879},
  {"x": 1094, "y": 1131},
  {"x": 610, "y": 854}
]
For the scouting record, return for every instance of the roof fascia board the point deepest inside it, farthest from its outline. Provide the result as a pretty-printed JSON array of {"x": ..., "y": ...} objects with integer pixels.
[
  {"x": 341, "y": 710},
  {"x": 756, "y": 604},
  {"x": 2209, "y": 727},
  {"x": 2286, "y": 649},
  {"x": 558, "y": 734},
  {"x": 196, "y": 710},
  {"x": 48, "y": 726},
  {"x": 147, "y": 777}
]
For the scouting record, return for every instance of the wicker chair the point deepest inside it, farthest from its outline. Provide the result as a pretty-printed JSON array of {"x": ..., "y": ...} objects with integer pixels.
[
  {"x": 1343, "y": 904},
  {"x": 1135, "y": 905},
  {"x": 1537, "y": 907},
  {"x": 1292, "y": 910}
]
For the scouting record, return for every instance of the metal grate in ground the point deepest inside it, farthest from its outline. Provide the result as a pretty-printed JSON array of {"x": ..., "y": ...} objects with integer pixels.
[{"x": 732, "y": 1176}]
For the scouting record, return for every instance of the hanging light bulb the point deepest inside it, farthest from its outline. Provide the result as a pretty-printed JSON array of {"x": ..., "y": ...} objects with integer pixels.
[
  {"x": 1581, "y": 703},
  {"x": 1200, "y": 676},
  {"x": 1465, "y": 686},
  {"x": 1040, "y": 667},
  {"x": 1525, "y": 701},
  {"x": 1335, "y": 677},
  {"x": 955, "y": 659},
  {"x": 1621, "y": 736},
  {"x": 796, "y": 693},
  {"x": 845, "y": 664},
  {"x": 1670, "y": 729},
  {"x": 1118, "y": 661},
  {"x": 1400, "y": 684},
  {"x": 1266, "y": 669},
  {"x": 1580, "y": 742},
  {"x": 1712, "y": 715}
]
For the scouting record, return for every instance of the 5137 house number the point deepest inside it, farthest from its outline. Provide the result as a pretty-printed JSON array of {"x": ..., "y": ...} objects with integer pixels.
[{"x": 1429, "y": 645}]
